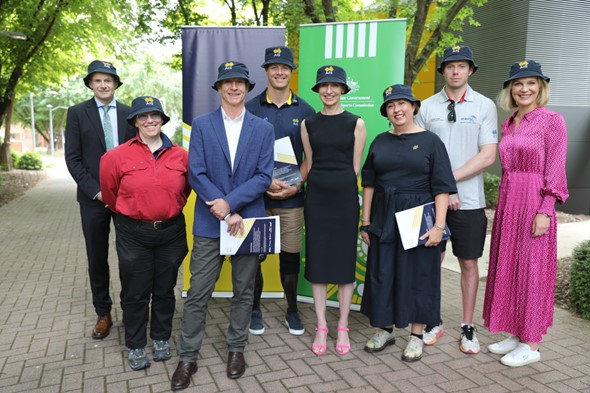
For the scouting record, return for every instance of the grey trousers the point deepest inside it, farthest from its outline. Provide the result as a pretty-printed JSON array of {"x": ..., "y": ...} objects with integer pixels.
[{"x": 205, "y": 267}]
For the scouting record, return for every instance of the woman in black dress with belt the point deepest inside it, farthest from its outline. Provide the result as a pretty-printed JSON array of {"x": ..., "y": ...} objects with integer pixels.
[
  {"x": 333, "y": 140},
  {"x": 405, "y": 167}
]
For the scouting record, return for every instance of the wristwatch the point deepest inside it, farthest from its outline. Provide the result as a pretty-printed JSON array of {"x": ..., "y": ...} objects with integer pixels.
[{"x": 299, "y": 188}]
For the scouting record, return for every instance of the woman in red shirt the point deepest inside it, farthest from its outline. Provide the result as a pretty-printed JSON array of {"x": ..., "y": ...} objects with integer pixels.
[{"x": 144, "y": 181}]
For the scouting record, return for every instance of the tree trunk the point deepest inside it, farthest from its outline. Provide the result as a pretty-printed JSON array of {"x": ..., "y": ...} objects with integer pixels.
[
  {"x": 414, "y": 60},
  {"x": 231, "y": 4},
  {"x": 5, "y": 157},
  {"x": 265, "y": 11},
  {"x": 329, "y": 10},
  {"x": 310, "y": 11},
  {"x": 418, "y": 26}
]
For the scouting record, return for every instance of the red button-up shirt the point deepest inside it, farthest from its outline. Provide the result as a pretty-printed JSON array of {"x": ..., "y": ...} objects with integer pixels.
[{"x": 136, "y": 184}]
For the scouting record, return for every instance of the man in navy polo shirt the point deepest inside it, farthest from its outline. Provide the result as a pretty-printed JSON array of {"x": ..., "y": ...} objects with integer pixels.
[{"x": 285, "y": 111}]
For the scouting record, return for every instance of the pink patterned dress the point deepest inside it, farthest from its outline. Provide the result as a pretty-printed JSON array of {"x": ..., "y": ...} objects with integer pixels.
[{"x": 521, "y": 276}]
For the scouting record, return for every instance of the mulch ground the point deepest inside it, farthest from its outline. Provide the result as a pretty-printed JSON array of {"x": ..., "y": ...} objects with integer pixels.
[{"x": 15, "y": 183}]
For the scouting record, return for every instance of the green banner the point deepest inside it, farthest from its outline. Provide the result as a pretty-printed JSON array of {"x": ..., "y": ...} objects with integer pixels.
[{"x": 373, "y": 54}]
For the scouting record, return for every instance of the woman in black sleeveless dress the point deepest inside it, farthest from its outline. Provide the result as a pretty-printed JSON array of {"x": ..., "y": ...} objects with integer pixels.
[{"x": 333, "y": 140}]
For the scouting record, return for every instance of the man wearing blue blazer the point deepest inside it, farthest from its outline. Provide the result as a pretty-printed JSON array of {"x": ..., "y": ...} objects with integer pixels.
[{"x": 231, "y": 162}]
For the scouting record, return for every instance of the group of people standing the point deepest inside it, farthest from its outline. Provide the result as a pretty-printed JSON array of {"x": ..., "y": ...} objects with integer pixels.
[{"x": 435, "y": 152}]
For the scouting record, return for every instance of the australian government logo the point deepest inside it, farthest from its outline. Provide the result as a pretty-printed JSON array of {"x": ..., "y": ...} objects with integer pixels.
[{"x": 352, "y": 100}]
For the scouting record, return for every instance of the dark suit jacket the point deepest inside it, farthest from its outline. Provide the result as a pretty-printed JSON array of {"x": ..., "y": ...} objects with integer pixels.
[
  {"x": 211, "y": 174},
  {"x": 84, "y": 145}
]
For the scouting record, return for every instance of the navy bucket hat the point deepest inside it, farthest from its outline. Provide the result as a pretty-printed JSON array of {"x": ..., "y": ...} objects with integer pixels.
[
  {"x": 233, "y": 69},
  {"x": 330, "y": 73},
  {"x": 146, "y": 104},
  {"x": 457, "y": 53},
  {"x": 279, "y": 55},
  {"x": 524, "y": 69},
  {"x": 103, "y": 67},
  {"x": 397, "y": 92}
]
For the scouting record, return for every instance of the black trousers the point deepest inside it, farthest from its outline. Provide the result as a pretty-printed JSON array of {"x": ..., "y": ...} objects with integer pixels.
[
  {"x": 96, "y": 226},
  {"x": 149, "y": 258}
]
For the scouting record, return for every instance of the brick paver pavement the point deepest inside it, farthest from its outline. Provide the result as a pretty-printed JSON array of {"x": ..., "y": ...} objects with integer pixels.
[{"x": 46, "y": 317}]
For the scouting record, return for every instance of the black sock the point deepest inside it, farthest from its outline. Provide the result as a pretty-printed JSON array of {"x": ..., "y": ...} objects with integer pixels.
[
  {"x": 417, "y": 335},
  {"x": 258, "y": 284},
  {"x": 387, "y": 329},
  {"x": 289, "y": 282}
]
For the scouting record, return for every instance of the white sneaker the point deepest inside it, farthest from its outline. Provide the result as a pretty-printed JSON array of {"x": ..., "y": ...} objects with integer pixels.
[
  {"x": 413, "y": 351},
  {"x": 432, "y": 335},
  {"x": 521, "y": 356},
  {"x": 504, "y": 346},
  {"x": 469, "y": 342}
]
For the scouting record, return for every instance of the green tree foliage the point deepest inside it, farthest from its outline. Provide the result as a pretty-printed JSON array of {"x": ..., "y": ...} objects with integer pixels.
[
  {"x": 430, "y": 33},
  {"x": 145, "y": 74},
  {"x": 30, "y": 161},
  {"x": 491, "y": 183},
  {"x": 60, "y": 35},
  {"x": 580, "y": 280}
]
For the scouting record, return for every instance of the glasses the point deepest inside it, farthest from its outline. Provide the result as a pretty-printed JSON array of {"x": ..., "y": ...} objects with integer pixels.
[
  {"x": 452, "y": 116},
  {"x": 143, "y": 117}
]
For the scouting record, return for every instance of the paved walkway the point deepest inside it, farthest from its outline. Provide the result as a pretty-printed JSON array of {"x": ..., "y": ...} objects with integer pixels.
[{"x": 46, "y": 317}]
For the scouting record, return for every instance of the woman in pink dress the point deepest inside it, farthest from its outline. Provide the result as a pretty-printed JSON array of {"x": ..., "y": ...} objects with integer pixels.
[{"x": 523, "y": 255}]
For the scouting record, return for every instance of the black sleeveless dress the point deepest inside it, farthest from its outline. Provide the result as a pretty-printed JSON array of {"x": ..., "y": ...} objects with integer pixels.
[{"x": 331, "y": 200}]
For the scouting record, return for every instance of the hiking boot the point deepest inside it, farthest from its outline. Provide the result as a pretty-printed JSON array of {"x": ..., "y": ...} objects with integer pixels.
[
  {"x": 137, "y": 359},
  {"x": 161, "y": 350}
]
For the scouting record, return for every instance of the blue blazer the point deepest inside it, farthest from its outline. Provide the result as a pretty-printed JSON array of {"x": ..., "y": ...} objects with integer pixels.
[{"x": 211, "y": 174}]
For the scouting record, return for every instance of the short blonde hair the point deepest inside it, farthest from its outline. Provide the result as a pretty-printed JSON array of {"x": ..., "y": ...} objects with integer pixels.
[{"x": 506, "y": 101}]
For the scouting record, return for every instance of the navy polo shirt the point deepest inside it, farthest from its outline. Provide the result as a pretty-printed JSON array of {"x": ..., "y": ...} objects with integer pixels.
[{"x": 287, "y": 122}]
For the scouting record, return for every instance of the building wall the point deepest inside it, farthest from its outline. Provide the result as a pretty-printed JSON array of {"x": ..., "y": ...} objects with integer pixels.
[{"x": 555, "y": 34}]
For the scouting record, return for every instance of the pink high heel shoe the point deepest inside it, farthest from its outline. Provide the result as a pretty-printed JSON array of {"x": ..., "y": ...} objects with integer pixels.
[
  {"x": 342, "y": 349},
  {"x": 320, "y": 349}
]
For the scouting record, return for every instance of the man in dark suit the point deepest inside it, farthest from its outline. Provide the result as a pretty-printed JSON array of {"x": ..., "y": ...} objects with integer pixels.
[
  {"x": 230, "y": 167},
  {"x": 92, "y": 128}
]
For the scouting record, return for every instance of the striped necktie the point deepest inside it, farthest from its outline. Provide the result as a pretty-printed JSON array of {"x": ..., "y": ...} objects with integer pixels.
[{"x": 108, "y": 128}]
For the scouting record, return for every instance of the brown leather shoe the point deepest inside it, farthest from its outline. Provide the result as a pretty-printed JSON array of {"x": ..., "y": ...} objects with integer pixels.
[
  {"x": 236, "y": 365},
  {"x": 102, "y": 327},
  {"x": 182, "y": 376}
]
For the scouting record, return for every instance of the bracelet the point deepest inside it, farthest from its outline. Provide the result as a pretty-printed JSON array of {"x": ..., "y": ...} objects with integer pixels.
[
  {"x": 438, "y": 227},
  {"x": 226, "y": 217},
  {"x": 546, "y": 215},
  {"x": 364, "y": 228}
]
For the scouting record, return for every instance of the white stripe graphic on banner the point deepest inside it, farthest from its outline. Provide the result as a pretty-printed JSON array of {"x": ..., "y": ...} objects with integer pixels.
[
  {"x": 334, "y": 46},
  {"x": 361, "y": 39},
  {"x": 373, "y": 39},
  {"x": 328, "y": 43},
  {"x": 339, "y": 41},
  {"x": 350, "y": 41}
]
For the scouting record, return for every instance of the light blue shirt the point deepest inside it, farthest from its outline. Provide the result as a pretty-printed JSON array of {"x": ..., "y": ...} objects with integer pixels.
[{"x": 113, "y": 115}]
